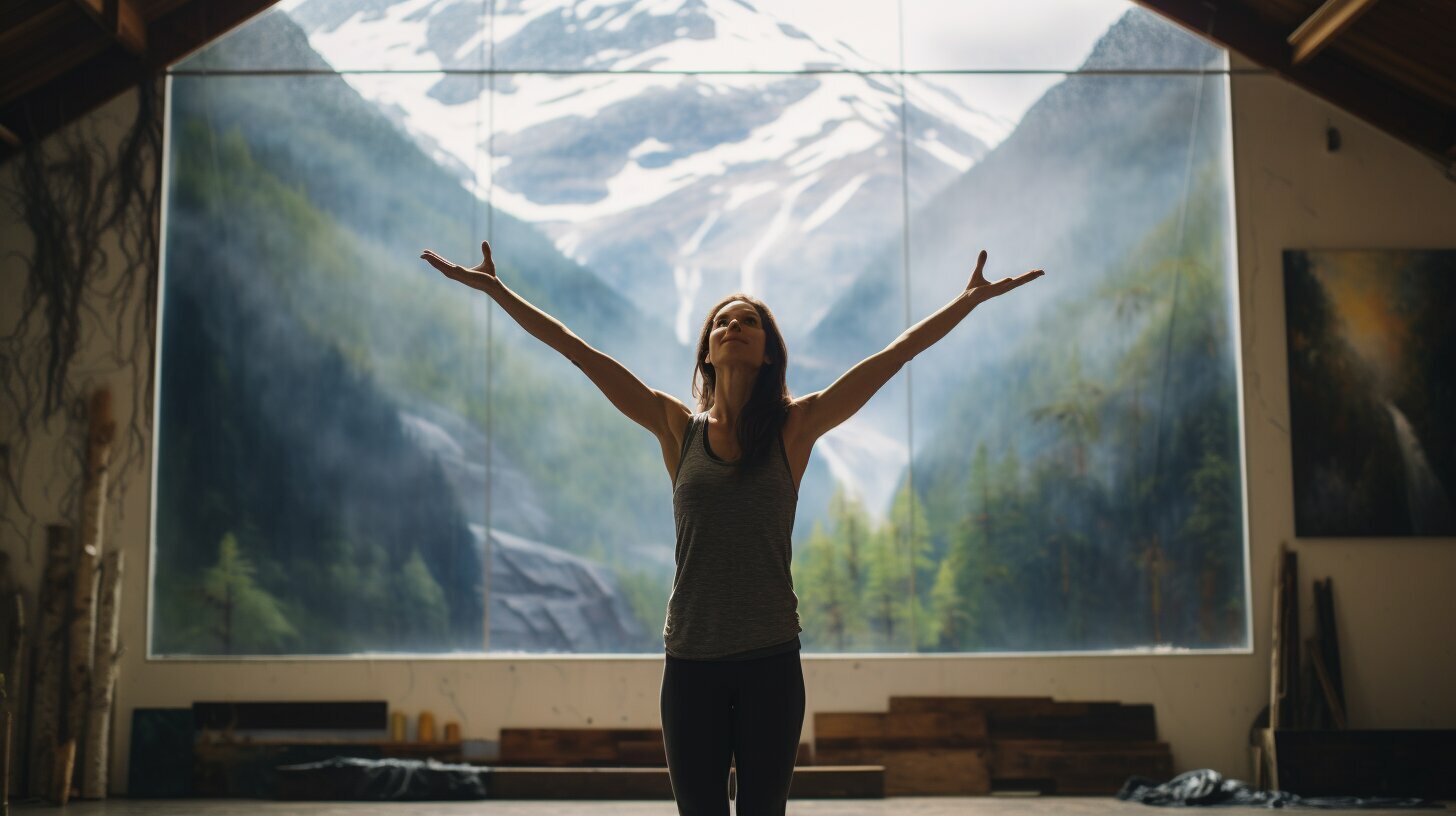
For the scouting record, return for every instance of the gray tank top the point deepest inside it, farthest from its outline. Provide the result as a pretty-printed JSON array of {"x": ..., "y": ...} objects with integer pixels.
[{"x": 732, "y": 592}]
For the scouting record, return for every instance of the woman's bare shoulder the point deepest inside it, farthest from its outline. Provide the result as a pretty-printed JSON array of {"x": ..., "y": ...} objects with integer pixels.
[
  {"x": 793, "y": 420},
  {"x": 676, "y": 418}
]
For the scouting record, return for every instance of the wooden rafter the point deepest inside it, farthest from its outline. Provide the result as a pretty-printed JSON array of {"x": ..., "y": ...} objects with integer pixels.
[
  {"x": 49, "y": 98},
  {"x": 1392, "y": 106},
  {"x": 46, "y": 63},
  {"x": 120, "y": 20},
  {"x": 1324, "y": 25},
  {"x": 20, "y": 21},
  {"x": 60, "y": 59}
]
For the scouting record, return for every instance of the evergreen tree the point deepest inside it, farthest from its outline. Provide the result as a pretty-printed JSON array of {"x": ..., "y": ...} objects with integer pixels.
[
  {"x": 825, "y": 594},
  {"x": 420, "y": 603},
  {"x": 945, "y": 620},
  {"x": 247, "y": 617}
]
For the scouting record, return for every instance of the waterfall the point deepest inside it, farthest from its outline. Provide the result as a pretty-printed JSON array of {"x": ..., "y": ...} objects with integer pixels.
[{"x": 1425, "y": 497}]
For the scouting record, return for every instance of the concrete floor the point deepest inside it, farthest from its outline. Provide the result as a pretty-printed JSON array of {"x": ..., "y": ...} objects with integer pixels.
[{"x": 897, "y": 806}]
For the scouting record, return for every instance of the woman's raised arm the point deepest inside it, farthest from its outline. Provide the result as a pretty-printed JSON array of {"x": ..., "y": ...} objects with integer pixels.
[
  {"x": 662, "y": 414},
  {"x": 823, "y": 410}
]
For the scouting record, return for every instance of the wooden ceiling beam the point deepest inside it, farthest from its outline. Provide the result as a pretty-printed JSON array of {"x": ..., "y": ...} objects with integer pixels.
[
  {"x": 121, "y": 21},
  {"x": 21, "y": 23},
  {"x": 1415, "y": 119},
  {"x": 72, "y": 94},
  {"x": 44, "y": 62},
  {"x": 195, "y": 24},
  {"x": 1321, "y": 27}
]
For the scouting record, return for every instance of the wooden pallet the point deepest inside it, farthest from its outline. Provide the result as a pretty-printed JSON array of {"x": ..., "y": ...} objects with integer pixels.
[
  {"x": 968, "y": 746},
  {"x": 815, "y": 782},
  {"x": 592, "y": 747},
  {"x": 923, "y": 752}
]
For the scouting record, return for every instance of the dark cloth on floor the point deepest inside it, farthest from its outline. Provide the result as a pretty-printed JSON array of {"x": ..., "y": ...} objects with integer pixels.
[
  {"x": 354, "y": 779},
  {"x": 1208, "y": 788}
]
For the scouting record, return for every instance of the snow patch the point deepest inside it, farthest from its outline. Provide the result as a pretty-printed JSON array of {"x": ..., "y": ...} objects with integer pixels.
[
  {"x": 847, "y": 139},
  {"x": 687, "y": 280},
  {"x": 834, "y": 203},
  {"x": 744, "y": 193},
  {"x": 648, "y": 145},
  {"x": 941, "y": 151},
  {"x": 696, "y": 239},
  {"x": 748, "y": 272},
  {"x": 866, "y": 461}
]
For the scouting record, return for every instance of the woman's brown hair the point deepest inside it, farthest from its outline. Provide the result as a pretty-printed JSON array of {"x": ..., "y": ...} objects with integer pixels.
[{"x": 763, "y": 416}]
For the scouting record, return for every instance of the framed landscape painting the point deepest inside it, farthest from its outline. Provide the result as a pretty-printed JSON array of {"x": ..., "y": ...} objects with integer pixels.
[{"x": 1371, "y": 349}]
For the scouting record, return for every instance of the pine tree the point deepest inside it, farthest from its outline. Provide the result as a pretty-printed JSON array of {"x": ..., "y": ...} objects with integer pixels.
[
  {"x": 825, "y": 593},
  {"x": 248, "y": 618},
  {"x": 424, "y": 623}
]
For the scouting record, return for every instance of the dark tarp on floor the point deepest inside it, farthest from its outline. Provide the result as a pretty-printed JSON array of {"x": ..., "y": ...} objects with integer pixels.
[
  {"x": 354, "y": 779},
  {"x": 1205, "y": 788}
]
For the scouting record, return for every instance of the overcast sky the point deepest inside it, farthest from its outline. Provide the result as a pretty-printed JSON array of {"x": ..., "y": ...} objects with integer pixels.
[
  {"x": 951, "y": 35},
  {"x": 968, "y": 34},
  {"x": 945, "y": 35}
]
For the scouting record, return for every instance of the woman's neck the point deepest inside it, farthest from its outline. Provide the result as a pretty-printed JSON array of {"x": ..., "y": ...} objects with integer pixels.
[{"x": 731, "y": 391}]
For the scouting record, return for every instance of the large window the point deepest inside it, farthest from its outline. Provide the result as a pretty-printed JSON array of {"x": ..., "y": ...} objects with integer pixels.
[{"x": 357, "y": 455}]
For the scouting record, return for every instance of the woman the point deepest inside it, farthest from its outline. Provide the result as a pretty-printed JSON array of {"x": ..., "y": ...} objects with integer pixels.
[{"x": 732, "y": 686}]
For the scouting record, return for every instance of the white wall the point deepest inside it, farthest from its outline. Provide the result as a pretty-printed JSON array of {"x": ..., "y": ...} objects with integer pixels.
[{"x": 1394, "y": 609}]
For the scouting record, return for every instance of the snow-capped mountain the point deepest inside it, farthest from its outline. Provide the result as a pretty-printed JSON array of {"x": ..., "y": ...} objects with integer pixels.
[{"x": 674, "y": 186}]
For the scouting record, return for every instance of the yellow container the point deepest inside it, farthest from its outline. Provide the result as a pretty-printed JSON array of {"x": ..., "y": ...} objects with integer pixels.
[
  {"x": 452, "y": 732},
  {"x": 427, "y": 727},
  {"x": 398, "y": 726}
]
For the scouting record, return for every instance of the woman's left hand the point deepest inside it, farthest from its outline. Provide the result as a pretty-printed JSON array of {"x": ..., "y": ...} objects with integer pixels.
[{"x": 982, "y": 290}]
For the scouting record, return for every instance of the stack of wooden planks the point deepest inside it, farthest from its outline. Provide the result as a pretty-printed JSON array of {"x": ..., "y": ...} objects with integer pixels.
[
  {"x": 967, "y": 746},
  {"x": 591, "y": 747},
  {"x": 582, "y": 747},
  {"x": 631, "y": 763}
]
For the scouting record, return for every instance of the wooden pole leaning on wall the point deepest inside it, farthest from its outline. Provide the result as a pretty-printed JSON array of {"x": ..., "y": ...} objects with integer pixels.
[
  {"x": 65, "y": 764},
  {"x": 50, "y": 660},
  {"x": 88, "y": 557},
  {"x": 13, "y": 673},
  {"x": 103, "y": 680}
]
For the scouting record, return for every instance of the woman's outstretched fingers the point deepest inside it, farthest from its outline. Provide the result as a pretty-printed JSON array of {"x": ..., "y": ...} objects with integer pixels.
[
  {"x": 487, "y": 265},
  {"x": 977, "y": 279},
  {"x": 436, "y": 261},
  {"x": 450, "y": 270}
]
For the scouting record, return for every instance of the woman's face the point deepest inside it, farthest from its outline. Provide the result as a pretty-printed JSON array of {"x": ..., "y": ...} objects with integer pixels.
[{"x": 737, "y": 336}]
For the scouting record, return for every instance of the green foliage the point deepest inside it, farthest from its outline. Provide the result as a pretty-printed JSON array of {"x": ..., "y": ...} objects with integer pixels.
[
  {"x": 857, "y": 580},
  {"x": 418, "y": 592},
  {"x": 646, "y": 593},
  {"x": 245, "y": 617},
  {"x": 1093, "y": 502},
  {"x": 297, "y": 314},
  {"x": 1106, "y": 515}
]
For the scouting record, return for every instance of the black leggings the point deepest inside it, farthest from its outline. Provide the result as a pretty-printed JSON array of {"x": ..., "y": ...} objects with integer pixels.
[{"x": 750, "y": 711}]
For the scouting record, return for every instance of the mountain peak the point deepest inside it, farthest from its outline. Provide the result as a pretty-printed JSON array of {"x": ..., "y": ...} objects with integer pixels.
[{"x": 1141, "y": 39}]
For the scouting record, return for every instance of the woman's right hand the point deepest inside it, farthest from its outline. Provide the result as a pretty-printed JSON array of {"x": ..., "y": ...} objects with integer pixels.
[{"x": 481, "y": 276}]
